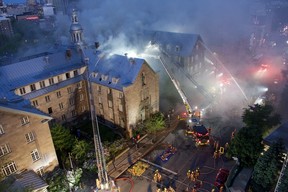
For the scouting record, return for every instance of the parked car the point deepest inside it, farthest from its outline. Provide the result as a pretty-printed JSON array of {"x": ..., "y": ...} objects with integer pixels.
[{"x": 221, "y": 177}]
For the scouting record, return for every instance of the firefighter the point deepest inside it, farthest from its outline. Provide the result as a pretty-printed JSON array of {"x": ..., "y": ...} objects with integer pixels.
[
  {"x": 192, "y": 177},
  {"x": 188, "y": 174}
]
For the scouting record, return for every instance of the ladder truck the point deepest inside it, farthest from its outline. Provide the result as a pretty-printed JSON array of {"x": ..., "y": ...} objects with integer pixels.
[{"x": 191, "y": 113}]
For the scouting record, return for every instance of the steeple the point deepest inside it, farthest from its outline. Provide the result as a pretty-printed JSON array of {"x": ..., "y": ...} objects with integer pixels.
[{"x": 76, "y": 30}]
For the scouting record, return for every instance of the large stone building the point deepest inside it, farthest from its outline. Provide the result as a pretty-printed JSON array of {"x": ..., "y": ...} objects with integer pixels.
[{"x": 53, "y": 87}]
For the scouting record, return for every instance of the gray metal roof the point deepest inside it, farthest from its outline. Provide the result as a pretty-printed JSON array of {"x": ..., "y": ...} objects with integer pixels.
[
  {"x": 168, "y": 41},
  {"x": 119, "y": 70},
  {"x": 279, "y": 133}
]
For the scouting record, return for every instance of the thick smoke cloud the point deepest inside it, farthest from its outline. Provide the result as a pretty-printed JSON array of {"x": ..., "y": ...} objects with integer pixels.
[{"x": 215, "y": 21}]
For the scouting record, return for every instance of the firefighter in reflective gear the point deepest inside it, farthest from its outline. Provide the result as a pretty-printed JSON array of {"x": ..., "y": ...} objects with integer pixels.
[
  {"x": 188, "y": 174},
  {"x": 192, "y": 177}
]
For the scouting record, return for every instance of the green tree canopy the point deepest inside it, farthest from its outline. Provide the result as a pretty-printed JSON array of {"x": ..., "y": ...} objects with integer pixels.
[
  {"x": 260, "y": 116},
  {"x": 266, "y": 169},
  {"x": 155, "y": 123},
  {"x": 246, "y": 146},
  {"x": 80, "y": 149},
  {"x": 62, "y": 138}
]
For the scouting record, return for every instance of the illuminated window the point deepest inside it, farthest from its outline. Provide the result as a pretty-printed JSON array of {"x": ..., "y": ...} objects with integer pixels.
[
  {"x": 35, "y": 155},
  {"x": 30, "y": 137},
  {"x": 47, "y": 98},
  {"x": 35, "y": 103},
  {"x": 4, "y": 149},
  {"x": 22, "y": 90},
  {"x": 42, "y": 84},
  {"x": 58, "y": 93},
  {"x": 1, "y": 130},
  {"x": 9, "y": 168},
  {"x": 32, "y": 87},
  {"x": 25, "y": 120}
]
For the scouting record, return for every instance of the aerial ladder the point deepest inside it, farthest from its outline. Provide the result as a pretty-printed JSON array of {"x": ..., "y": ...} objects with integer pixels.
[
  {"x": 103, "y": 182},
  {"x": 192, "y": 113}
]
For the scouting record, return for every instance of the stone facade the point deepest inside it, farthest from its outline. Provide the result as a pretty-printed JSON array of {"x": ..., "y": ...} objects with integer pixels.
[{"x": 26, "y": 143}]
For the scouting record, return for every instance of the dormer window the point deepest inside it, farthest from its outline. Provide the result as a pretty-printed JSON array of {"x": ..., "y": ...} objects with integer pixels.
[
  {"x": 94, "y": 74},
  {"x": 104, "y": 77},
  {"x": 32, "y": 87},
  {"x": 22, "y": 90},
  {"x": 177, "y": 48},
  {"x": 115, "y": 80}
]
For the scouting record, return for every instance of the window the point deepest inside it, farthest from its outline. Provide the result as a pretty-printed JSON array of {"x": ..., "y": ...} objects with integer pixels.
[
  {"x": 58, "y": 93},
  {"x": 120, "y": 107},
  {"x": 25, "y": 120},
  {"x": 99, "y": 100},
  {"x": 79, "y": 85},
  {"x": 94, "y": 74},
  {"x": 100, "y": 105},
  {"x": 67, "y": 75},
  {"x": 71, "y": 101},
  {"x": 40, "y": 171},
  {"x": 59, "y": 78},
  {"x": 143, "y": 79},
  {"x": 35, "y": 103},
  {"x": 108, "y": 91},
  {"x": 22, "y": 90},
  {"x": 61, "y": 106},
  {"x": 47, "y": 98},
  {"x": 51, "y": 81},
  {"x": 32, "y": 87},
  {"x": 63, "y": 117},
  {"x": 177, "y": 48},
  {"x": 4, "y": 149},
  {"x": 75, "y": 72},
  {"x": 83, "y": 108},
  {"x": 110, "y": 113},
  {"x": 81, "y": 97},
  {"x": 1, "y": 130},
  {"x": 69, "y": 89},
  {"x": 109, "y": 103},
  {"x": 115, "y": 80},
  {"x": 9, "y": 168},
  {"x": 30, "y": 137},
  {"x": 35, "y": 155},
  {"x": 73, "y": 113},
  {"x": 50, "y": 111},
  {"x": 120, "y": 95},
  {"x": 42, "y": 84},
  {"x": 99, "y": 89}
]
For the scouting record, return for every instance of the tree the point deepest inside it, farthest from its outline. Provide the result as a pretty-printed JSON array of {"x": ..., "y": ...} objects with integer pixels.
[
  {"x": 62, "y": 138},
  {"x": 267, "y": 167},
  {"x": 80, "y": 149},
  {"x": 155, "y": 123},
  {"x": 260, "y": 116},
  {"x": 246, "y": 146},
  {"x": 284, "y": 181}
]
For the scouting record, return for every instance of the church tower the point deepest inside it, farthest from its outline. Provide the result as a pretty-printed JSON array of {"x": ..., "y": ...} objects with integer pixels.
[{"x": 76, "y": 30}]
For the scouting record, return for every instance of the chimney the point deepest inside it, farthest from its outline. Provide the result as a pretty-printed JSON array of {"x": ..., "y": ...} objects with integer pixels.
[
  {"x": 97, "y": 45},
  {"x": 68, "y": 54}
]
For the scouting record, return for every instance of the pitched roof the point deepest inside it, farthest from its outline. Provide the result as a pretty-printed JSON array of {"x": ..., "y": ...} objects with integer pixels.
[
  {"x": 114, "y": 71},
  {"x": 181, "y": 44},
  {"x": 279, "y": 133},
  {"x": 22, "y": 107}
]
